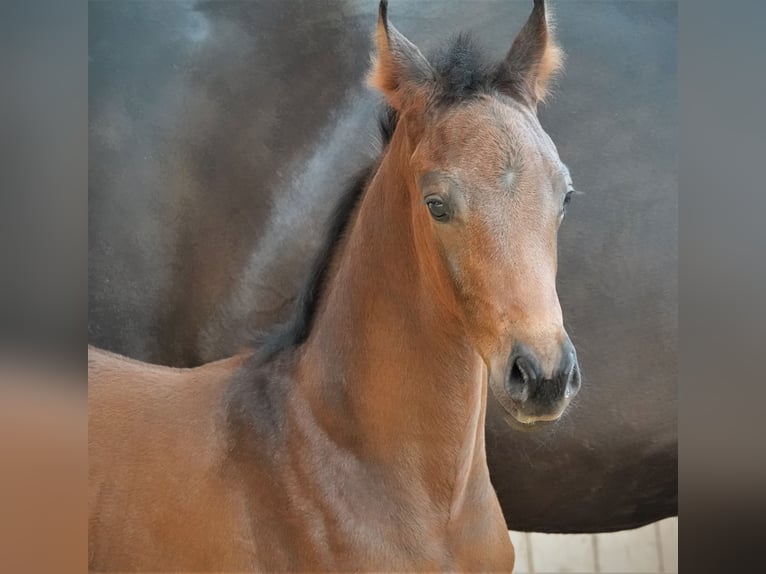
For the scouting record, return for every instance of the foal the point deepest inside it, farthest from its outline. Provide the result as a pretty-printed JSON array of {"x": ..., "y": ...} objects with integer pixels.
[{"x": 357, "y": 442}]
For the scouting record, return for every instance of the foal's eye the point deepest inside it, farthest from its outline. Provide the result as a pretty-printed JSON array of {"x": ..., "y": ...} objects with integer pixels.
[
  {"x": 568, "y": 197},
  {"x": 437, "y": 208}
]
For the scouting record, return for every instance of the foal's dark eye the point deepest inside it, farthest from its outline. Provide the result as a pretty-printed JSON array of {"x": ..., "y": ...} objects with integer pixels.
[
  {"x": 437, "y": 208},
  {"x": 567, "y": 198}
]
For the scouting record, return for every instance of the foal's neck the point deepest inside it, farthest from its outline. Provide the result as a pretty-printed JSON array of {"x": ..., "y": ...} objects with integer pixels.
[{"x": 387, "y": 368}]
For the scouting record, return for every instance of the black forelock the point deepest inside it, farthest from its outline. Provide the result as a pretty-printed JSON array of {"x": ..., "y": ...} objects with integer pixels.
[{"x": 463, "y": 71}]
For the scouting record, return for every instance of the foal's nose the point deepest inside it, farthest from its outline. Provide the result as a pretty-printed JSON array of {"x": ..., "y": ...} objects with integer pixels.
[{"x": 535, "y": 394}]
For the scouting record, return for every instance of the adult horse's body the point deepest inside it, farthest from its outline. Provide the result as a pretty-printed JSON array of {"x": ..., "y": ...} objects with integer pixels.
[
  {"x": 353, "y": 440},
  {"x": 221, "y": 134}
]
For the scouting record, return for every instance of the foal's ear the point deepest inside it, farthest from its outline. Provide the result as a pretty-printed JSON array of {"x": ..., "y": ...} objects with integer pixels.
[
  {"x": 533, "y": 60},
  {"x": 399, "y": 69}
]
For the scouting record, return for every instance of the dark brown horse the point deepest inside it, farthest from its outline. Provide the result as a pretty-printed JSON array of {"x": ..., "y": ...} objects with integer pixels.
[{"x": 354, "y": 440}]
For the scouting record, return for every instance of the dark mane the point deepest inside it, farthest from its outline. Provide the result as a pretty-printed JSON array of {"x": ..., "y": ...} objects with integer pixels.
[
  {"x": 463, "y": 73},
  {"x": 297, "y": 328}
]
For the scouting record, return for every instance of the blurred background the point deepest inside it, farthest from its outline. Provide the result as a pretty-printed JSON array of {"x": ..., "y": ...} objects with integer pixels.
[{"x": 218, "y": 134}]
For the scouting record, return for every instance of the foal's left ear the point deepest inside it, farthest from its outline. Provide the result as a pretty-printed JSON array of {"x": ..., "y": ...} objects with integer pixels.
[
  {"x": 399, "y": 69},
  {"x": 533, "y": 60}
]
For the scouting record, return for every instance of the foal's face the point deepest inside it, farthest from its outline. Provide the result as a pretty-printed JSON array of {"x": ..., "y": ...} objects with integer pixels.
[{"x": 496, "y": 192}]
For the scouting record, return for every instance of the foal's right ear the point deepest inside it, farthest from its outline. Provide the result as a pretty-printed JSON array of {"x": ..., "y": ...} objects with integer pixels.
[{"x": 399, "y": 69}]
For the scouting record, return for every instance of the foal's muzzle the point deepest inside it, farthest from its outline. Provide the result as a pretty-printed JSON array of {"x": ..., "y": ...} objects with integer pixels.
[{"x": 534, "y": 396}]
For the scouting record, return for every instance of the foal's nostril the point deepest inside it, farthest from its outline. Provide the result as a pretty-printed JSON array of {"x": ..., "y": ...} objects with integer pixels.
[
  {"x": 516, "y": 373},
  {"x": 522, "y": 370},
  {"x": 530, "y": 388},
  {"x": 571, "y": 375},
  {"x": 574, "y": 381},
  {"x": 518, "y": 380},
  {"x": 568, "y": 387}
]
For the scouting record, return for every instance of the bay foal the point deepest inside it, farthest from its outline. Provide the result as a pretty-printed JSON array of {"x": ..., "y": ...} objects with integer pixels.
[{"x": 355, "y": 439}]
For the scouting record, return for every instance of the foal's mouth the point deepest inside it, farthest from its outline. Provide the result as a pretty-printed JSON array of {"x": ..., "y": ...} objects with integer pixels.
[
  {"x": 526, "y": 425},
  {"x": 517, "y": 420}
]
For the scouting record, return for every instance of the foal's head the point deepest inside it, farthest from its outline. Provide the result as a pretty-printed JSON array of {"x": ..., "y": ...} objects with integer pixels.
[{"x": 495, "y": 192}]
